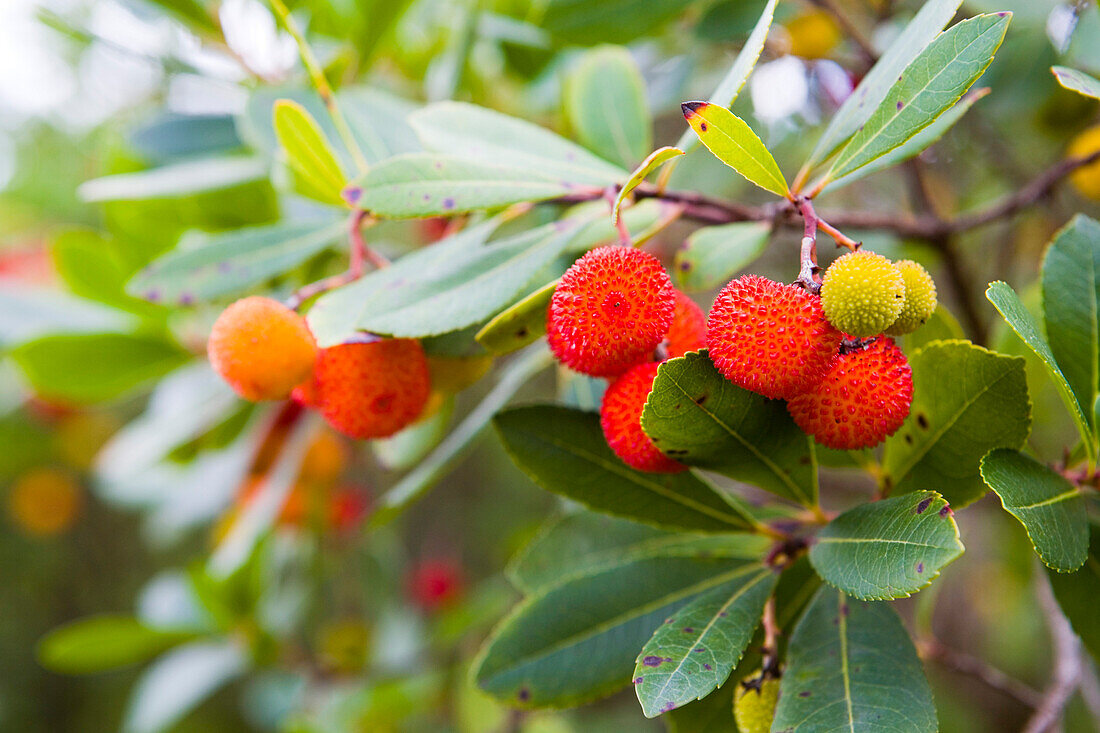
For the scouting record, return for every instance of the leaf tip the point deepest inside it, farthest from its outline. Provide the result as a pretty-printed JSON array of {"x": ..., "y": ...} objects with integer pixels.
[{"x": 690, "y": 109}]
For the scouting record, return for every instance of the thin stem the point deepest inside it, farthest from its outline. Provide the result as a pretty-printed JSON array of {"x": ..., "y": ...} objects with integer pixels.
[
  {"x": 360, "y": 254},
  {"x": 866, "y": 48},
  {"x": 1068, "y": 664},
  {"x": 771, "y": 637},
  {"x": 610, "y": 193},
  {"x": 320, "y": 83},
  {"x": 992, "y": 677},
  {"x": 809, "y": 272}
]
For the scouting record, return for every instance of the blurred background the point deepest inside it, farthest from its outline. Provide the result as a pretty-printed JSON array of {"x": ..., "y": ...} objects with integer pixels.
[{"x": 122, "y": 456}]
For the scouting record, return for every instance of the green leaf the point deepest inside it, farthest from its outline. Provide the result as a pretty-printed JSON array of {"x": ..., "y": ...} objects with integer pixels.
[
  {"x": 171, "y": 135},
  {"x": 584, "y": 542},
  {"x": 424, "y": 184},
  {"x": 102, "y": 643},
  {"x": 460, "y": 441},
  {"x": 451, "y": 285},
  {"x": 539, "y": 656},
  {"x": 175, "y": 180},
  {"x": 696, "y": 416},
  {"x": 936, "y": 79},
  {"x": 1008, "y": 304},
  {"x": 1051, "y": 509},
  {"x": 966, "y": 401},
  {"x": 229, "y": 263},
  {"x": 697, "y": 648},
  {"x": 564, "y": 451},
  {"x": 95, "y": 367},
  {"x": 734, "y": 143},
  {"x": 308, "y": 152},
  {"x": 653, "y": 161},
  {"x": 1071, "y": 305},
  {"x": 89, "y": 264},
  {"x": 941, "y": 326},
  {"x": 866, "y": 97},
  {"x": 916, "y": 144},
  {"x": 726, "y": 92},
  {"x": 519, "y": 324},
  {"x": 28, "y": 313},
  {"x": 887, "y": 549},
  {"x": 1077, "y": 594},
  {"x": 1077, "y": 81},
  {"x": 610, "y": 21},
  {"x": 605, "y": 105},
  {"x": 711, "y": 256},
  {"x": 491, "y": 138},
  {"x": 851, "y": 666}
]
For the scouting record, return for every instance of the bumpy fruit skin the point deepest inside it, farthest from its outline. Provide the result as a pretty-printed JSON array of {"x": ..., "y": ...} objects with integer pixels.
[
  {"x": 261, "y": 348},
  {"x": 689, "y": 327},
  {"x": 610, "y": 311},
  {"x": 920, "y": 298},
  {"x": 754, "y": 709},
  {"x": 813, "y": 34},
  {"x": 770, "y": 338},
  {"x": 1087, "y": 178},
  {"x": 370, "y": 390},
  {"x": 862, "y": 293},
  {"x": 621, "y": 420},
  {"x": 864, "y": 398}
]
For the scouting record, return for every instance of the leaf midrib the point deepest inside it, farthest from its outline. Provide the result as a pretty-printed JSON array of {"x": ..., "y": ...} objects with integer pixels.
[{"x": 773, "y": 176}]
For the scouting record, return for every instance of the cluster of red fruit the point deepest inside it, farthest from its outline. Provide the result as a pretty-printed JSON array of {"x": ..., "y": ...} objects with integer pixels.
[
  {"x": 616, "y": 314},
  {"x": 367, "y": 390}
]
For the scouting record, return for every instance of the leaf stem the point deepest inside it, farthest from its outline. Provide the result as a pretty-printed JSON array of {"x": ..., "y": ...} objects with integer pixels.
[{"x": 360, "y": 254}]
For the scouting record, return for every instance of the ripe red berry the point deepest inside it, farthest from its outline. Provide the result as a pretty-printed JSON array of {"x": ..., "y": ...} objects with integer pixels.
[
  {"x": 770, "y": 338},
  {"x": 369, "y": 390},
  {"x": 864, "y": 398},
  {"x": 610, "y": 311},
  {"x": 621, "y": 420},
  {"x": 436, "y": 583},
  {"x": 689, "y": 327}
]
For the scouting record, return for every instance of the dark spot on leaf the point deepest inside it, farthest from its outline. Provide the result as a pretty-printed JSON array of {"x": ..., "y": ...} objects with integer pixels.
[
  {"x": 908, "y": 439},
  {"x": 843, "y": 609},
  {"x": 804, "y": 693},
  {"x": 448, "y": 203},
  {"x": 637, "y": 680},
  {"x": 702, "y": 127},
  {"x": 707, "y": 667},
  {"x": 688, "y": 630},
  {"x": 922, "y": 420},
  {"x": 224, "y": 267},
  {"x": 652, "y": 661},
  {"x": 722, "y": 614},
  {"x": 153, "y": 295},
  {"x": 352, "y": 194},
  {"x": 804, "y": 460},
  {"x": 524, "y": 693},
  {"x": 920, "y": 567},
  {"x": 900, "y": 104},
  {"x": 522, "y": 333},
  {"x": 187, "y": 299},
  {"x": 698, "y": 649},
  {"x": 667, "y": 706},
  {"x": 426, "y": 197},
  {"x": 701, "y": 399},
  {"x": 946, "y": 511},
  {"x": 685, "y": 265},
  {"x": 923, "y": 505}
]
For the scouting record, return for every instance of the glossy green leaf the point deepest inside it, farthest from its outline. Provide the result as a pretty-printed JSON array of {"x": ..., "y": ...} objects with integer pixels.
[
  {"x": 966, "y": 401},
  {"x": 492, "y": 138},
  {"x": 564, "y": 451},
  {"x": 1051, "y": 509},
  {"x": 695, "y": 650},
  {"x": 518, "y": 325},
  {"x": 172, "y": 136},
  {"x": 696, "y": 416},
  {"x": 175, "y": 180},
  {"x": 1077, "y": 81},
  {"x": 727, "y": 90},
  {"x": 308, "y": 151},
  {"x": 653, "y": 161},
  {"x": 230, "y": 263},
  {"x": 95, "y": 367},
  {"x": 585, "y": 542},
  {"x": 448, "y": 286},
  {"x": 866, "y": 97},
  {"x": 423, "y": 184},
  {"x": 1077, "y": 593},
  {"x": 928, "y": 87},
  {"x": 852, "y": 667},
  {"x": 1008, "y": 304},
  {"x": 460, "y": 440},
  {"x": 102, "y": 643},
  {"x": 916, "y": 144},
  {"x": 1071, "y": 305},
  {"x": 610, "y": 21},
  {"x": 711, "y": 256},
  {"x": 887, "y": 549},
  {"x": 539, "y": 656},
  {"x": 734, "y": 143},
  {"x": 605, "y": 105}
]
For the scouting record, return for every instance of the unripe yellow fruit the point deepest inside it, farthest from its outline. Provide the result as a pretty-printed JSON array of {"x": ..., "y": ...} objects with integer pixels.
[
  {"x": 813, "y": 34},
  {"x": 862, "y": 293},
  {"x": 1087, "y": 178},
  {"x": 754, "y": 709},
  {"x": 920, "y": 298}
]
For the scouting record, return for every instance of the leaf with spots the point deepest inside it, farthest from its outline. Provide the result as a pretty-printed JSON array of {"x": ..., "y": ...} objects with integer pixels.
[
  {"x": 696, "y": 416},
  {"x": 887, "y": 549},
  {"x": 605, "y": 104},
  {"x": 927, "y": 88},
  {"x": 1077, "y": 593},
  {"x": 564, "y": 451},
  {"x": 851, "y": 666},
  {"x": 697, "y": 648},
  {"x": 1077, "y": 81},
  {"x": 232, "y": 262},
  {"x": 966, "y": 401},
  {"x": 539, "y": 656},
  {"x": 734, "y": 143},
  {"x": 711, "y": 256},
  {"x": 1051, "y": 509}
]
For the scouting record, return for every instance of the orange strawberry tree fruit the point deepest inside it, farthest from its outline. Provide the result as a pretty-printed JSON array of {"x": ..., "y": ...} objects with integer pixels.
[{"x": 760, "y": 453}]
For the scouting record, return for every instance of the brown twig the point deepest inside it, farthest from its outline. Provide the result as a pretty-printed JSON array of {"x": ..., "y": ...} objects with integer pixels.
[
  {"x": 937, "y": 651},
  {"x": 809, "y": 272},
  {"x": 1068, "y": 663}
]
